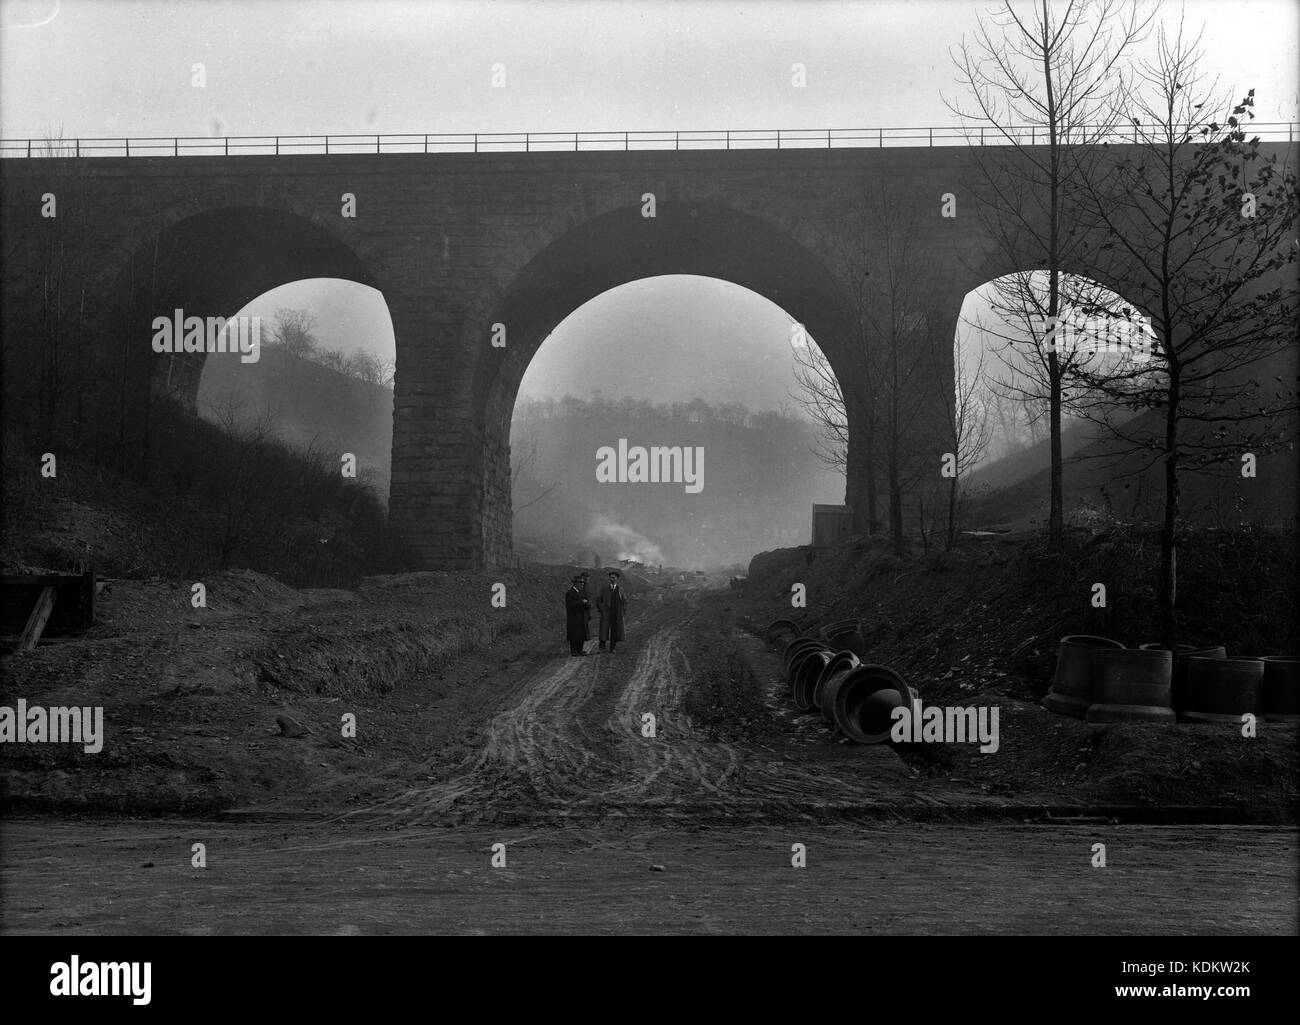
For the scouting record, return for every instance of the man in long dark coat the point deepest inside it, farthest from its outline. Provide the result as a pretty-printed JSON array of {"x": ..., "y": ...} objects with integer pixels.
[
  {"x": 611, "y": 604},
  {"x": 576, "y": 607}
]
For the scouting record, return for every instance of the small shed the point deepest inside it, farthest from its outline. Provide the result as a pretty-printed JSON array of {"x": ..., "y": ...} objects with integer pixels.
[{"x": 830, "y": 524}]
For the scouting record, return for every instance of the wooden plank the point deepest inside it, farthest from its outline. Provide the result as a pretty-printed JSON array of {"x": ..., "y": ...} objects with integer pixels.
[
  {"x": 74, "y": 608},
  {"x": 36, "y": 621}
]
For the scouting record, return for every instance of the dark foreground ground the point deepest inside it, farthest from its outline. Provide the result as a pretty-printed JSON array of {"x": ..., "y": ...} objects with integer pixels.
[
  {"x": 470, "y": 736},
  {"x": 91, "y": 878}
]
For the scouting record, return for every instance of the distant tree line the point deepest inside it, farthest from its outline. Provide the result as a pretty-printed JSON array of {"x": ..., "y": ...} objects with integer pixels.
[
  {"x": 294, "y": 334},
  {"x": 761, "y": 477},
  {"x": 530, "y": 409}
]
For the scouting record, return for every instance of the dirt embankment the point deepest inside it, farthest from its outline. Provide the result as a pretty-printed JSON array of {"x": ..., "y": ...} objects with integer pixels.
[
  {"x": 191, "y": 695},
  {"x": 469, "y": 713},
  {"x": 980, "y": 626}
]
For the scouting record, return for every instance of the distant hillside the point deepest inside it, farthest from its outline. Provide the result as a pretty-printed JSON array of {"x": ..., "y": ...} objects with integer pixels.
[
  {"x": 1100, "y": 476},
  {"x": 760, "y": 476},
  {"x": 201, "y": 501},
  {"x": 310, "y": 404},
  {"x": 760, "y": 481},
  {"x": 1023, "y": 463}
]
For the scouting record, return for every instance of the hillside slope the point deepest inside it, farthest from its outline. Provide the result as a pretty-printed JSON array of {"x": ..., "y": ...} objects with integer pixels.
[
  {"x": 980, "y": 626},
  {"x": 311, "y": 406},
  {"x": 1104, "y": 478}
]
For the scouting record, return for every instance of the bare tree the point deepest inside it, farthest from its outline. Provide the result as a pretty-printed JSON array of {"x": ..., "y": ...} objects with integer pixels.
[
  {"x": 898, "y": 290},
  {"x": 1201, "y": 225},
  {"x": 817, "y": 393},
  {"x": 1014, "y": 423},
  {"x": 1028, "y": 341},
  {"x": 295, "y": 332},
  {"x": 364, "y": 367},
  {"x": 891, "y": 288},
  {"x": 1056, "y": 69},
  {"x": 54, "y": 143},
  {"x": 522, "y": 472},
  {"x": 330, "y": 359},
  {"x": 359, "y": 364},
  {"x": 965, "y": 415}
]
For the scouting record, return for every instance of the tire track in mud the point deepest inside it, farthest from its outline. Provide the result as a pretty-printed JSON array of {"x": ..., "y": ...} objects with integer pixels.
[
  {"x": 712, "y": 777},
  {"x": 568, "y": 743},
  {"x": 525, "y": 736},
  {"x": 676, "y": 761}
]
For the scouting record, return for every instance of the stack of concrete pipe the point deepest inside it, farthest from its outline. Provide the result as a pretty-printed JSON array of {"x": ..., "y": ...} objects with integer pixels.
[
  {"x": 826, "y": 673},
  {"x": 1101, "y": 680}
]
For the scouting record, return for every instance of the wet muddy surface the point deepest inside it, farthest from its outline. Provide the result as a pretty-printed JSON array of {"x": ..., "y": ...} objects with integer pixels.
[{"x": 665, "y": 788}]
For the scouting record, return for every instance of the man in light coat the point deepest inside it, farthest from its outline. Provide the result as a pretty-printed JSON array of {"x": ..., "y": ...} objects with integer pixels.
[{"x": 611, "y": 604}]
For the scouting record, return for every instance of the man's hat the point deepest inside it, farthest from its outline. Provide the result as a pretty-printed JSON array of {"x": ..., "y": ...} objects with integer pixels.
[
  {"x": 577, "y": 578},
  {"x": 615, "y": 573}
]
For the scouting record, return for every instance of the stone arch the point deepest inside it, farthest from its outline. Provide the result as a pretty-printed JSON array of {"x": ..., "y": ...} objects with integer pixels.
[
  {"x": 608, "y": 243},
  {"x": 1001, "y": 265},
  {"x": 1073, "y": 269},
  {"x": 213, "y": 260},
  {"x": 675, "y": 189}
]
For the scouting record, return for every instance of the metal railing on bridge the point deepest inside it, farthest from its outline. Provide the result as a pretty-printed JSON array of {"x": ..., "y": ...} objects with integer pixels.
[{"x": 550, "y": 142}]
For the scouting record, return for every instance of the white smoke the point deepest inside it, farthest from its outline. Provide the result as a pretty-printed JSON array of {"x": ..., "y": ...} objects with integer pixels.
[{"x": 630, "y": 543}]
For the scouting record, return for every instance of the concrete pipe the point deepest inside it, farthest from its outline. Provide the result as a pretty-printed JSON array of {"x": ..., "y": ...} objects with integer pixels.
[
  {"x": 781, "y": 632},
  {"x": 797, "y": 662},
  {"x": 846, "y": 635},
  {"x": 796, "y": 648},
  {"x": 864, "y": 700},
  {"x": 1131, "y": 685},
  {"x": 843, "y": 662},
  {"x": 1222, "y": 689},
  {"x": 1178, "y": 678},
  {"x": 1281, "y": 688},
  {"x": 1071, "y": 692},
  {"x": 805, "y": 675}
]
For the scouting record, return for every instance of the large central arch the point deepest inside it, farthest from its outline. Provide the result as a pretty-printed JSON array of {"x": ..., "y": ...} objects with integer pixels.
[{"x": 700, "y": 237}]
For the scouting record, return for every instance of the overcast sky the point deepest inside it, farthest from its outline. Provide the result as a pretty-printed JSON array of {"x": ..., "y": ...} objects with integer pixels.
[
  {"x": 124, "y": 67},
  {"x": 318, "y": 66}
]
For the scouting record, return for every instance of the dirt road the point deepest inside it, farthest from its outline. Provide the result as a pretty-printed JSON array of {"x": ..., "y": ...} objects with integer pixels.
[
  {"x": 605, "y": 829},
  {"x": 573, "y": 740},
  {"x": 91, "y": 878}
]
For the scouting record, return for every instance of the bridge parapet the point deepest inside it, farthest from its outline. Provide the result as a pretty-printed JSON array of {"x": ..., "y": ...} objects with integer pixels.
[{"x": 594, "y": 141}]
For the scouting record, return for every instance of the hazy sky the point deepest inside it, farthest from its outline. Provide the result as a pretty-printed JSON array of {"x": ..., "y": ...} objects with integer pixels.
[
  {"x": 693, "y": 336},
  {"x": 118, "y": 67},
  {"x": 315, "y": 66}
]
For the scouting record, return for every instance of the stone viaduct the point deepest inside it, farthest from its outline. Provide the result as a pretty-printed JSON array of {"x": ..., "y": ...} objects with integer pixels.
[{"x": 460, "y": 242}]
